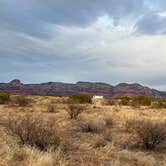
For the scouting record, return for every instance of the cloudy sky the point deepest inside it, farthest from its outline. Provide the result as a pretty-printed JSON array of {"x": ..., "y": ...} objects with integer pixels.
[{"x": 109, "y": 41}]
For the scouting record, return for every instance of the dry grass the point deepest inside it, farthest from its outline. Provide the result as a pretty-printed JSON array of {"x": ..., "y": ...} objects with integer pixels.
[
  {"x": 149, "y": 133},
  {"x": 105, "y": 142},
  {"x": 33, "y": 131}
]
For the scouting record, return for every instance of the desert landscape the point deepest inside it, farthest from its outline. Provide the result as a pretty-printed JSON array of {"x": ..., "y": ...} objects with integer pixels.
[
  {"x": 80, "y": 130},
  {"x": 82, "y": 82}
]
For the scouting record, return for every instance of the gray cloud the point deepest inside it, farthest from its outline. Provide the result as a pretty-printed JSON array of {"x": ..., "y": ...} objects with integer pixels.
[
  {"x": 69, "y": 41},
  {"x": 152, "y": 23},
  {"x": 35, "y": 16}
]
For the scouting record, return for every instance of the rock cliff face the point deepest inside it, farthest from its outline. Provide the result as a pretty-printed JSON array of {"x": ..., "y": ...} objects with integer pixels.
[{"x": 64, "y": 89}]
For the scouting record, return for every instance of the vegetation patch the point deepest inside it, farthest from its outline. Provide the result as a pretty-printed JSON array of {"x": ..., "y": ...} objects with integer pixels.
[
  {"x": 91, "y": 127},
  {"x": 21, "y": 100},
  {"x": 74, "y": 110},
  {"x": 33, "y": 131},
  {"x": 141, "y": 101},
  {"x": 4, "y": 97},
  {"x": 149, "y": 133},
  {"x": 81, "y": 99}
]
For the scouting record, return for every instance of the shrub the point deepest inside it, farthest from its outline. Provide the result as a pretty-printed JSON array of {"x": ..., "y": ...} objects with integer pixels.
[
  {"x": 99, "y": 143},
  {"x": 109, "y": 101},
  {"x": 74, "y": 110},
  {"x": 159, "y": 103},
  {"x": 125, "y": 101},
  {"x": 141, "y": 101},
  {"x": 51, "y": 109},
  {"x": 81, "y": 99},
  {"x": 149, "y": 133},
  {"x": 21, "y": 100},
  {"x": 33, "y": 131},
  {"x": 4, "y": 97},
  {"x": 91, "y": 127},
  {"x": 68, "y": 146},
  {"x": 107, "y": 135},
  {"x": 108, "y": 121}
]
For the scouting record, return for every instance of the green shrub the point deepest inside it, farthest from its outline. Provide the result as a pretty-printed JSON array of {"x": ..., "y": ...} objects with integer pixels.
[
  {"x": 80, "y": 98},
  {"x": 149, "y": 133},
  {"x": 141, "y": 101},
  {"x": 33, "y": 131},
  {"x": 4, "y": 97}
]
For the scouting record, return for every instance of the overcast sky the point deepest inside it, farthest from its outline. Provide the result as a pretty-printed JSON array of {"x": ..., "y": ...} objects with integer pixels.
[{"x": 108, "y": 41}]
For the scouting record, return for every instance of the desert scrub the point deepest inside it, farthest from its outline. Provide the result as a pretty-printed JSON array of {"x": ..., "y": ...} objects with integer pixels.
[
  {"x": 149, "y": 133},
  {"x": 141, "y": 101},
  {"x": 21, "y": 100},
  {"x": 109, "y": 101},
  {"x": 159, "y": 103},
  {"x": 109, "y": 121},
  {"x": 51, "y": 108},
  {"x": 33, "y": 131},
  {"x": 91, "y": 126},
  {"x": 4, "y": 97},
  {"x": 80, "y": 99},
  {"x": 125, "y": 101},
  {"x": 99, "y": 143},
  {"x": 74, "y": 110}
]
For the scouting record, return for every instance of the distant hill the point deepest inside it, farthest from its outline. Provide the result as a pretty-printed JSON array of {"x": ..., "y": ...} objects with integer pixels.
[{"x": 65, "y": 89}]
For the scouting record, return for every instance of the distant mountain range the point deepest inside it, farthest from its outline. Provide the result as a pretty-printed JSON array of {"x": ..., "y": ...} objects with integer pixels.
[{"x": 65, "y": 89}]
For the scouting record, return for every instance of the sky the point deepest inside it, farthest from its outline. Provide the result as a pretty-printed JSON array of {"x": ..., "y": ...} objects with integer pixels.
[{"x": 110, "y": 41}]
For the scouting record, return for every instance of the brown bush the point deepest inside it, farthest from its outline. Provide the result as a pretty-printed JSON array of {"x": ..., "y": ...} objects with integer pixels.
[
  {"x": 21, "y": 100},
  {"x": 159, "y": 103},
  {"x": 107, "y": 135},
  {"x": 99, "y": 143},
  {"x": 51, "y": 109},
  {"x": 74, "y": 110},
  {"x": 109, "y": 121},
  {"x": 125, "y": 101},
  {"x": 33, "y": 131},
  {"x": 109, "y": 101},
  {"x": 91, "y": 127},
  {"x": 149, "y": 133}
]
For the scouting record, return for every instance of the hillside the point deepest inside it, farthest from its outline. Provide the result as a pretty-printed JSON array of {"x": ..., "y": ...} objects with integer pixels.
[{"x": 65, "y": 89}]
